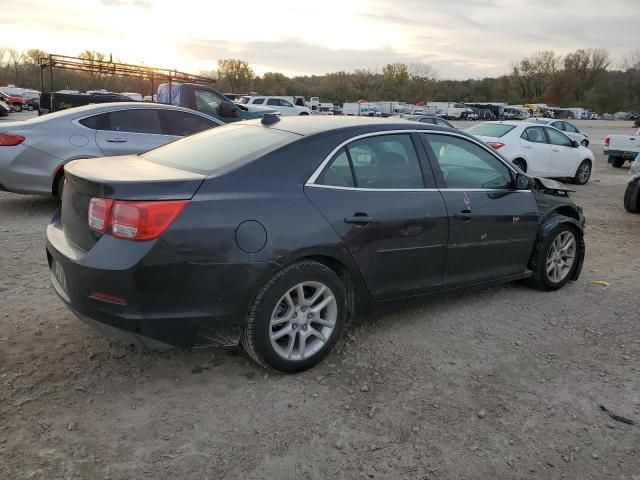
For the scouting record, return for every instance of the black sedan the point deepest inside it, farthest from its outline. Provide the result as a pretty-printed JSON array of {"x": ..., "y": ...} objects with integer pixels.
[{"x": 274, "y": 233}]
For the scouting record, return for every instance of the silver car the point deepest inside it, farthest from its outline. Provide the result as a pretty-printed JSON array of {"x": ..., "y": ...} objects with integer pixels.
[{"x": 33, "y": 152}]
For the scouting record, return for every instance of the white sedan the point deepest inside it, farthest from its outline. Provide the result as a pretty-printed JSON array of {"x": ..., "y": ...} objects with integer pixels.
[
  {"x": 568, "y": 128},
  {"x": 539, "y": 150}
]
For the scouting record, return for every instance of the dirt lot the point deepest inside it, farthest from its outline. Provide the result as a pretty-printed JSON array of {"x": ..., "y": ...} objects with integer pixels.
[{"x": 494, "y": 384}]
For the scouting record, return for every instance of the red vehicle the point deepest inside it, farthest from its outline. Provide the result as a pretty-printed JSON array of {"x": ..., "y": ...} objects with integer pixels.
[{"x": 15, "y": 102}]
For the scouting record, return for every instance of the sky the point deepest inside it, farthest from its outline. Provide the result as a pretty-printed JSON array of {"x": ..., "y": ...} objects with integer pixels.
[{"x": 459, "y": 38}]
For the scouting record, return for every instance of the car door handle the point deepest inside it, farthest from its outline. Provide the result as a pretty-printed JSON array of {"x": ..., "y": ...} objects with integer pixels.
[
  {"x": 528, "y": 147},
  {"x": 464, "y": 215},
  {"x": 359, "y": 219},
  {"x": 116, "y": 140},
  {"x": 555, "y": 149}
]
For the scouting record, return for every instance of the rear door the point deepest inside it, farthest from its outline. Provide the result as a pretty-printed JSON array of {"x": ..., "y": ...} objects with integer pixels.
[
  {"x": 387, "y": 211},
  {"x": 537, "y": 150},
  {"x": 492, "y": 226},
  {"x": 125, "y": 132},
  {"x": 564, "y": 157}
]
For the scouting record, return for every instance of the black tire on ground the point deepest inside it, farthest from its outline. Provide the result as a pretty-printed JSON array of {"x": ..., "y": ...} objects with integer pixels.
[
  {"x": 576, "y": 178},
  {"x": 617, "y": 161},
  {"x": 521, "y": 164},
  {"x": 255, "y": 338},
  {"x": 632, "y": 196},
  {"x": 540, "y": 279},
  {"x": 58, "y": 185}
]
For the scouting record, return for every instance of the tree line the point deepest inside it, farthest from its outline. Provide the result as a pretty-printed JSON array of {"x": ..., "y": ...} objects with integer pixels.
[{"x": 588, "y": 78}]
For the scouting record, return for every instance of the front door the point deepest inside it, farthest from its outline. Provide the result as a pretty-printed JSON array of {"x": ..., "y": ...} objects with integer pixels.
[
  {"x": 373, "y": 192},
  {"x": 126, "y": 132},
  {"x": 564, "y": 157},
  {"x": 492, "y": 225}
]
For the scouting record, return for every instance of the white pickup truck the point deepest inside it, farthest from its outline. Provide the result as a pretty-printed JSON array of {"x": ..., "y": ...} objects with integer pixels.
[{"x": 620, "y": 148}]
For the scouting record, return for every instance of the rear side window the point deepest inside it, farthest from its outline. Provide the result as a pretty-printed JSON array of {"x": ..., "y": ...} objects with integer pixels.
[
  {"x": 534, "y": 134},
  {"x": 426, "y": 120},
  {"x": 92, "y": 122},
  {"x": 218, "y": 148},
  {"x": 338, "y": 173},
  {"x": 380, "y": 162},
  {"x": 496, "y": 130},
  {"x": 258, "y": 101},
  {"x": 184, "y": 124},
  {"x": 134, "y": 121}
]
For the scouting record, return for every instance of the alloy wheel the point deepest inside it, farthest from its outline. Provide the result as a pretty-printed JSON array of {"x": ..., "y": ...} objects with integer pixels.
[
  {"x": 561, "y": 256},
  {"x": 303, "y": 320},
  {"x": 584, "y": 172}
]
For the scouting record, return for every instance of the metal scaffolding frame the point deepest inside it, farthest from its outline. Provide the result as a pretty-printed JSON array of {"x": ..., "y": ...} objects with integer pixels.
[{"x": 116, "y": 69}]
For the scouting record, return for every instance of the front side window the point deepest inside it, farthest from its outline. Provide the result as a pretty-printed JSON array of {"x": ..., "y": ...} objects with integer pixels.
[
  {"x": 466, "y": 165},
  {"x": 557, "y": 138},
  {"x": 183, "y": 124},
  {"x": 380, "y": 162},
  {"x": 570, "y": 128},
  {"x": 284, "y": 103},
  {"x": 443, "y": 123},
  {"x": 273, "y": 101},
  {"x": 134, "y": 121},
  {"x": 534, "y": 135},
  {"x": 207, "y": 101},
  {"x": 427, "y": 120}
]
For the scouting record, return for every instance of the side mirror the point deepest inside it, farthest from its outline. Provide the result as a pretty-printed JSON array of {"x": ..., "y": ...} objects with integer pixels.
[
  {"x": 522, "y": 182},
  {"x": 228, "y": 109},
  {"x": 575, "y": 143}
]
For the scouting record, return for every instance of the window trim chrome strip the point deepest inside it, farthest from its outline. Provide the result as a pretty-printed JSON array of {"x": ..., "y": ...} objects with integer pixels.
[{"x": 314, "y": 176}]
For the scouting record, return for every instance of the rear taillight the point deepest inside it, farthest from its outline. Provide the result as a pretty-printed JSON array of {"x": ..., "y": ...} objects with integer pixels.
[
  {"x": 99, "y": 210},
  {"x": 607, "y": 141},
  {"x": 10, "y": 140},
  {"x": 495, "y": 145},
  {"x": 133, "y": 220}
]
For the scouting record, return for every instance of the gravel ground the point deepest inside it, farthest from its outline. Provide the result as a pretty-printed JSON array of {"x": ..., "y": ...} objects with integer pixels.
[{"x": 493, "y": 384}]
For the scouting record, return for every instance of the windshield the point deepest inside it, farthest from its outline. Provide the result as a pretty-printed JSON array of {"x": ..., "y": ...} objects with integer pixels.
[
  {"x": 496, "y": 130},
  {"x": 212, "y": 150}
]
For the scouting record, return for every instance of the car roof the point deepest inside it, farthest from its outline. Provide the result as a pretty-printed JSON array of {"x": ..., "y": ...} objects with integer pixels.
[
  {"x": 84, "y": 110},
  {"x": 312, "y": 125}
]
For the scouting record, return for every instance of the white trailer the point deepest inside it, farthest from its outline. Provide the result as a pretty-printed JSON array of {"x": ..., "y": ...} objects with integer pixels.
[
  {"x": 453, "y": 110},
  {"x": 360, "y": 109}
]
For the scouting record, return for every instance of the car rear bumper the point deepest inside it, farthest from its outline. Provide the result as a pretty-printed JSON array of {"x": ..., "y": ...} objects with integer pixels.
[
  {"x": 147, "y": 295},
  {"x": 619, "y": 153}
]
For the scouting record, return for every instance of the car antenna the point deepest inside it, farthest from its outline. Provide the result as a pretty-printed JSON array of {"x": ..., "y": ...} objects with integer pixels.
[{"x": 270, "y": 118}]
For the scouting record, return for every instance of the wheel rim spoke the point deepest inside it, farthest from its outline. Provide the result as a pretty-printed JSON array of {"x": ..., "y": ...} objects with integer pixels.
[
  {"x": 561, "y": 256},
  {"x": 303, "y": 320}
]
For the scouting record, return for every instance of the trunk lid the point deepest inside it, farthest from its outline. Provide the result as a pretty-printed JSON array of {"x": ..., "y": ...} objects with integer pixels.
[{"x": 122, "y": 178}]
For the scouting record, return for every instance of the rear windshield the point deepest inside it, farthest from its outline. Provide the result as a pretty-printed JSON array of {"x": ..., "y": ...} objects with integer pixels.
[
  {"x": 490, "y": 129},
  {"x": 217, "y": 148}
]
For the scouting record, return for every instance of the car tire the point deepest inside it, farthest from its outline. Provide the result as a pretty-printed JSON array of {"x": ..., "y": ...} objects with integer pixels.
[
  {"x": 58, "y": 184},
  {"x": 632, "y": 196},
  {"x": 542, "y": 279},
  {"x": 583, "y": 173},
  {"x": 617, "y": 162},
  {"x": 275, "y": 334},
  {"x": 17, "y": 107},
  {"x": 521, "y": 164}
]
